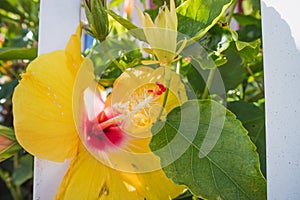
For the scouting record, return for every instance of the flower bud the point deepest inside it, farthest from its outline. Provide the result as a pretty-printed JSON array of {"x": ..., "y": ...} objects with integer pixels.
[
  {"x": 97, "y": 18},
  {"x": 8, "y": 143},
  {"x": 128, "y": 6}
]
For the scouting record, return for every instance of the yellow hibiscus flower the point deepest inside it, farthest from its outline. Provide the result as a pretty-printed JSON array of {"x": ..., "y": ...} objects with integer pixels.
[
  {"x": 60, "y": 112},
  {"x": 162, "y": 33}
]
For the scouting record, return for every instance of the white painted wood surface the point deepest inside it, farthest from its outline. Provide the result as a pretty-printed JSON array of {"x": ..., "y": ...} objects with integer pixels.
[
  {"x": 281, "y": 44},
  {"x": 58, "y": 20}
]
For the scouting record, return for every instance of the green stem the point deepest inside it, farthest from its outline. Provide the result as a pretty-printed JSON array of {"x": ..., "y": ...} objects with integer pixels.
[
  {"x": 178, "y": 66},
  {"x": 18, "y": 188},
  {"x": 231, "y": 12},
  {"x": 208, "y": 83},
  {"x": 106, "y": 51},
  {"x": 8, "y": 181},
  {"x": 257, "y": 82},
  {"x": 168, "y": 81},
  {"x": 104, "y": 3}
]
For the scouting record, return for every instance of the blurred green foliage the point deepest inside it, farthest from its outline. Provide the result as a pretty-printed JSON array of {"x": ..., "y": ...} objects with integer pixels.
[{"x": 18, "y": 46}]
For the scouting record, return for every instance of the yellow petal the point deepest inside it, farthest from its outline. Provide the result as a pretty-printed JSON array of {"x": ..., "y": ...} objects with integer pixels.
[
  {"x": 160, "y": 20},
  {"x": 73, "y": 50},
  {"x": 42, "y": 104},
  {"x": 172, "y": 16},
  {"x": 85, "y": 82},
  {"x": 129, "y": 81},
  {"x": 89, "y": 179},
  {"x": 153, "y": 185}
]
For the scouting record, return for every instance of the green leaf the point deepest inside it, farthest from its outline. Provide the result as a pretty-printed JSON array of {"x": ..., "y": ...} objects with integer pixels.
[
  {"x": 11, "y": 53},
  {"x": 24, "y": 171},
  {"x": 196, "y": 17},
  {"x": 7, "y": 132},
  {"x": 9, "y": 144},
  {"x": 115, "y": 3},
  {"x": 9, "y": 151},
  {"x": 240, "y": 45},
  {"x": 218, "y": 39},
  {"x": 119, "y": 48},
  {"x": 186, "y": 196},
  {"x": 197, "y": 80},
  {"x": 249, "y": 51},
  {"x": 233, "y": 72},
  {"x": 152, "y": 13},
  {"x": 203, "y": 146},
  {"x": 245, "y": 20},
  {"x": 7, "y": 89},
  {"x": 133, "y": 29},
  {"x": 249, "y": 33},
  {"x": 249, "y": 6},
  {"x": 253, "y": 120},
  {"x": 124, "y": 22}
]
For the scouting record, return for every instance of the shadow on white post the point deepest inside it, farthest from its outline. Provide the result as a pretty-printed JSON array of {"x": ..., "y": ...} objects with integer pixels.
[
  {"x": 58, "y": 20},
  {"x": 281, "y": 44}
]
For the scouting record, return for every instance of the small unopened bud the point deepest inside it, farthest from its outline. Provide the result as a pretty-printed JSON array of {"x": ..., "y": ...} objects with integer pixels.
[
  {"x": 8, "y": 143},
  {"x": 128, "y": 6},
  {"x": 97, "y": 18}
]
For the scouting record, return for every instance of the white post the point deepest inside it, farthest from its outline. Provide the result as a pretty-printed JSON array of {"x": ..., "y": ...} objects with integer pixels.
[
  {"x": 281, "y": 45},
  {"x": 58, "y": 20}
]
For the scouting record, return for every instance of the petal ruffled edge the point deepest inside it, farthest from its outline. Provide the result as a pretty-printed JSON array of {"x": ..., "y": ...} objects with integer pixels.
[
  {"x": 42, "y": 104},
  {"x": 97, "y": 181}
]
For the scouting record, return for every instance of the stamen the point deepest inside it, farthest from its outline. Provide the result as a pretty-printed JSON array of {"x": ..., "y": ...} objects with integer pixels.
[
  {"x": 110, "y": 122},
  {"x": 138, "y": 109}
]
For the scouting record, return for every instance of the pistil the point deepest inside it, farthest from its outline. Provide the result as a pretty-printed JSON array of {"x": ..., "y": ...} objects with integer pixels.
[{"x": 110, "y": 122}]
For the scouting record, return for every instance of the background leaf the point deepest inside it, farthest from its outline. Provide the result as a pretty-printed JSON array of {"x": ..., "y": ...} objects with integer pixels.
[
  {"x": 253, "y": 119},
  {"x": 10, "y": 53},
  {"x": 10, "y": 151},
  {"x": 196, "y": 17},
  {"x": 245, "y": 20},
  {"x": 229, "y": 171},
  {"x": 24, "y": 171},
  {"x": 232, "y": 73},
  {"x": 8, "y": 88}
]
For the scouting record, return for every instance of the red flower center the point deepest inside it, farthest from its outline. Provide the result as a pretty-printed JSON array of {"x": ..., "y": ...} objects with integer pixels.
[{"x": 104, "y": 131}]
